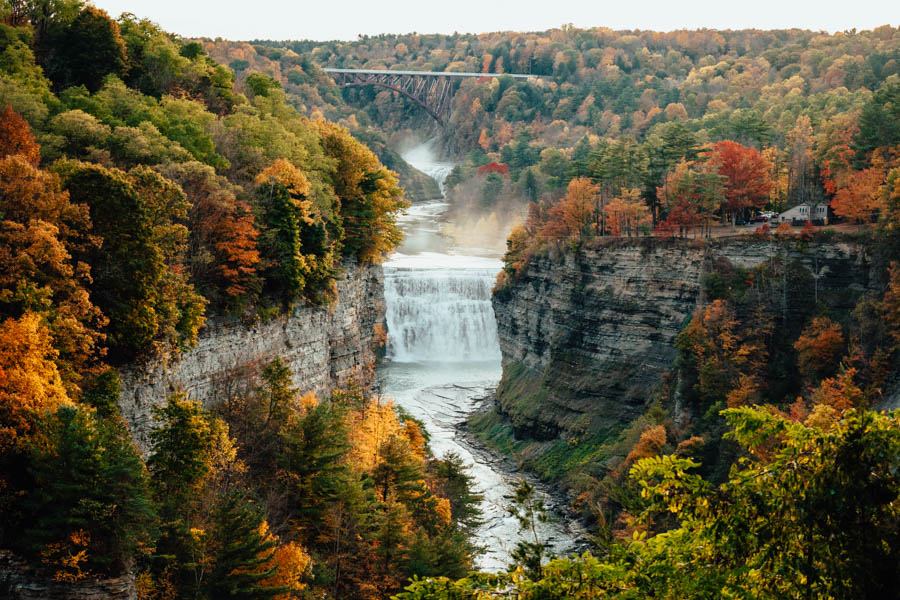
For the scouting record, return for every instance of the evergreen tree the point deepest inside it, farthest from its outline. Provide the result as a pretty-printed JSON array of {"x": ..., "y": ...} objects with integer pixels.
[
  {"x": 879, "y": 122},
  {"x": 312, "y": 463},
  {"x": 90, "y": 494},
  {"x": 243, "y": 551},
  {"x": 457, "y": 485},
  {"x": 181, "y": 447}
]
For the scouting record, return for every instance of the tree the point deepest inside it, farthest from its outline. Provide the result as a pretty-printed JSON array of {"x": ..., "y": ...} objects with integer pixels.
[
  {"x": 312, "y": 466},
  {"x": 294, "y": 241},
  {"x": 860, "y": 198},
  {"x": 879, "y": 122},
  {"x": 30, "y": 383},
  {"x": 222, "y": 246},
  {"x": 574, "y": 215},
  {"x": 181, "y": 309},
  {"x": 181, "y": 449},
  {"x": 369, "y": 195},
  {"x": 491, "y": 190},
  {"x": 16, "y": 137},
  {"x": 138, "y": 281},
  {"x": 244, "y": 552},
  {"x": 819, "y": 348},
  {"x": 724, "y": 353},
  {"x": 455, "y": 483},
  {"x": 746, "y": 172},
  {"x": 89, "y": 494},
  {"x": 800, "y": 169},
  {"x": 398, "y": 473},
  {"x": 767, "y": 525},
  {"x": 529, "y": 510},
  {"x": 627, "y": 213},
  {"x": 40, "y": 237},
  {"x": 88, "y": 49}
]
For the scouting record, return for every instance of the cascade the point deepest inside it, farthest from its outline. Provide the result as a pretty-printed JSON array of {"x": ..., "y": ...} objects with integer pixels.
[
  {"x": 439, "y": 308},
  {"x": 422, "y": 158}
]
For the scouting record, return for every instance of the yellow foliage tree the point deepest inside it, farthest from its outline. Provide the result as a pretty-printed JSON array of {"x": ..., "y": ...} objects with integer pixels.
[
  {"x": 370, "y": 428},
  {"x": 290, "y": 562},
  {"x": 30, "y": 383}
]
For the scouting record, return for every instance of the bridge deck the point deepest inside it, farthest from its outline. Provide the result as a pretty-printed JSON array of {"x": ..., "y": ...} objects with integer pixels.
[{"x": 429, "y": 73}]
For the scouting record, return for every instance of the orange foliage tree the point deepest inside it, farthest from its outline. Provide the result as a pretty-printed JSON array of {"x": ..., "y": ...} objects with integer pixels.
[
  {"x": 574, "y": 216},
  {"x": 16, "y": 137},
  {"x": 30, "y": 383},
  {"x": 223, "y": 236},
  {"x": 819, "y": 347},
  {"x": 840, "y": 393},
  {"x": 40, "y": 233},
  {"x": 726, "y": 357},
  {"x": 860, "y": 197},
  {"x": 747, "y": 173},
  {"x": 627, "y": 213}
]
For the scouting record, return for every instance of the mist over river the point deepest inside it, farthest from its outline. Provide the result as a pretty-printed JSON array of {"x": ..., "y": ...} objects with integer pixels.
[{"x": 443, "y": 356}]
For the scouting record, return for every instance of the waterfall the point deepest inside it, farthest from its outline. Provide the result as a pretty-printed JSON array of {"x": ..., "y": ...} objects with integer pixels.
[
  {"x": 439, "y": 308},
  {"x": 423, "y": 158}
]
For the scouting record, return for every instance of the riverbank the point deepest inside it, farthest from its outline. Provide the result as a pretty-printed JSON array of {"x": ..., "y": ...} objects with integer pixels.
[{"x": 558, "y": 503}]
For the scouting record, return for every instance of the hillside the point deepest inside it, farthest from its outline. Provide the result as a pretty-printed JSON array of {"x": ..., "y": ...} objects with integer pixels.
[{"x": 169, "y": 237}]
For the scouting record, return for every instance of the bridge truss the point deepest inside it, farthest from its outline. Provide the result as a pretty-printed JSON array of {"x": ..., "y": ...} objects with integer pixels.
[{"x": 431, "y": 90}]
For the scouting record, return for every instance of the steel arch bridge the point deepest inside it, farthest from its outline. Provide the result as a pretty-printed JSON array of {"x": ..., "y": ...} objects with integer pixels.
[{"x": 432, "y": 90}]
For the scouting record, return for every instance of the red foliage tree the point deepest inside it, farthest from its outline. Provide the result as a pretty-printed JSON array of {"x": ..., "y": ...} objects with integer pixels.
[
  {"x": 494, "y": 167},
  {"x": 748, "y": 180}
]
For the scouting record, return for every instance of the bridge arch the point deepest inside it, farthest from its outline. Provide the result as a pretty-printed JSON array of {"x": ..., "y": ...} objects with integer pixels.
[{"x": 431, "y": 90}]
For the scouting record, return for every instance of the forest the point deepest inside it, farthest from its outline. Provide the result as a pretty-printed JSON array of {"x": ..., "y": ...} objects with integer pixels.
[
  {"x": 141, "y": 192},
  {"x": 150, "y": 182},
  {"x": 645, "y": 135},
  {"x": 625, "y": 109}
]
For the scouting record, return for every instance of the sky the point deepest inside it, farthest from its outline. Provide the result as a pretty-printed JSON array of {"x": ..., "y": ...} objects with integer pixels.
[{"x": 347, "y": 19}]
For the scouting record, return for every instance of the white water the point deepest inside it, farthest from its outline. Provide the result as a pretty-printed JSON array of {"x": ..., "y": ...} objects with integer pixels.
[
  {"x": 438, "y": 308},
  {"x": 443, "y": 356},
  {"x": 422, "y": 157}
]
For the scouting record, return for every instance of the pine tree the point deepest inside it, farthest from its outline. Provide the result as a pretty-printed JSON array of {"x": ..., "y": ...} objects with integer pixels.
[
  {"x": 242, "y": 552},
  {"x": 90, "y": 491}
]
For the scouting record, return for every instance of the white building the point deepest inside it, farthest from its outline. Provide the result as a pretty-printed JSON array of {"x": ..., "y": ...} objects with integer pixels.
[{"x": 803, "y": 212}]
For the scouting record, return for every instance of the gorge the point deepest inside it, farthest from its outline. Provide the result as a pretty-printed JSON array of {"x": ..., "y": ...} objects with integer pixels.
[{"x": 443, "y": 358}]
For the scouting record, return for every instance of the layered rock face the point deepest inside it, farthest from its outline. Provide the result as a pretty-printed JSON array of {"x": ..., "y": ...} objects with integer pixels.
[
  {"x": 588, "y": 336},
  {"x": 18, "y": 582},
  {"x": 324, "y": 348}
]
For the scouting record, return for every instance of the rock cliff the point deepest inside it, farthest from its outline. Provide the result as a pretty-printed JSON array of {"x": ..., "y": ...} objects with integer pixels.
[
  {"x": 19, "y": 582},
  {"x": 324, "y": 348},
  {"x": 588, "y": 336}
]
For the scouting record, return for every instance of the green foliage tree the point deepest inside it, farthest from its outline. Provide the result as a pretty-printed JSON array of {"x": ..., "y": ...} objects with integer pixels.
[
  {"x": 136, "y": 279},
  {"x": 242, "y": 552},
  {"x": 181, "y": 447},
  {"x": 456, "y": 483},
  {"x": 90, "y": 494},
  {"x": 529, "y": 510},
  {"x": 809, "y": 512},
  {"x": 87, "y": 50},
  {"x": 313, "y": 465},
  {"x": 879, "y": 121},
  {"x": 369, "y": 195}
]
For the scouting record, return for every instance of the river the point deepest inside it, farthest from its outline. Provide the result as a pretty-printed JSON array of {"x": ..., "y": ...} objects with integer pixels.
[{"x": 443, "y": 357}]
